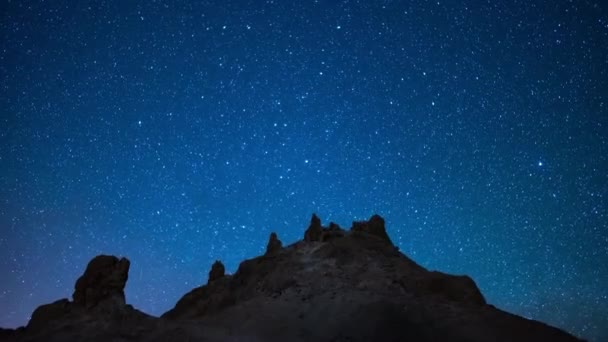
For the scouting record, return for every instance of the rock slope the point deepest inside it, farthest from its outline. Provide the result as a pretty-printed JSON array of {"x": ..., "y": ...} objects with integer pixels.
[{"x": 334, "y": 285}]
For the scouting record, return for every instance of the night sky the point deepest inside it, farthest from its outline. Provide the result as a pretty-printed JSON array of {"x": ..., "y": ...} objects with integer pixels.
[{"x": 177, "y": 133}]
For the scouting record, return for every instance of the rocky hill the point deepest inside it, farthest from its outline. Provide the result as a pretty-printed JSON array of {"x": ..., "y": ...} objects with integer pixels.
[{"x": 334, "y": 285}]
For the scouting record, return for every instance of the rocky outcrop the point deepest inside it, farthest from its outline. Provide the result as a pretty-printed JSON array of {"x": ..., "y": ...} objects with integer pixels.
[
  {"x": 97, "y": 313},
  {"x": 334, "y": 231},
  {"x": 314, "y": 231},
  {"x": 274, "y": 244},
  {"x": 374, "y": 226},
  {"x": 103, "y": 280},
  {"x": 99, "y": 291},
  {"x": 45, "y": 315},
  {"x": 217, "y": 271},
  {"x": 336, "y": 285},
  {"x": 454, "y": 288},
  {"x": 9, "y": 334}
]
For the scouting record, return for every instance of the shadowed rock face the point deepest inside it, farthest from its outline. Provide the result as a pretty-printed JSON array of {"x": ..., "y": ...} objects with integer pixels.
[
  {"x": 100, "y": 288},
  {"x": 104, "y": 279},
  {"x": 335, "y": 285},
  {"x": 375, "y": 226},
  {"x": 217, "y": 271},
  {"x": 98, "y": 311},
  {"x": 314, "y": 231},
  {"x": 44, "y": 315},
  {"x": 274, "y": 244}
]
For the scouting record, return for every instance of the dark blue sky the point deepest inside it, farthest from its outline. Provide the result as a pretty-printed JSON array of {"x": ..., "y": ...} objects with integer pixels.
[{"x": 180, "y": 132}]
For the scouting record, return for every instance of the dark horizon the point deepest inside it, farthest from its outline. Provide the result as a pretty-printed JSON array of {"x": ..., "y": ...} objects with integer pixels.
[{"x": 179, "y": 133}]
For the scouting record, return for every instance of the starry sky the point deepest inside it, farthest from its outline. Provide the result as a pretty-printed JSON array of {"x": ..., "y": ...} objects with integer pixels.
[{"x": 180, "y": 132}]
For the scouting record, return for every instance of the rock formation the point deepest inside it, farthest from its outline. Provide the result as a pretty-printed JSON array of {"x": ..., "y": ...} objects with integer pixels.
[
  {"x": 334, "y": 227},
  {"x": 44, "y": 315},
  {"x": 103, "y": 280},
  {"x": 375, "y": 226},
  {"x": 335, "y": 285},
  {"x": 98, "y": 308},
  {"x": 274, "y": 244},
  {"x": 315, "y": 230},
  {"x": 217, "y": 271},
  {"x": 100, "y": 288}
]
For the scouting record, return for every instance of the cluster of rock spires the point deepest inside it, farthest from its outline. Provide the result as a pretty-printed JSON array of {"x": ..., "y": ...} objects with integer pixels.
[{"x": 335, "y": 285}]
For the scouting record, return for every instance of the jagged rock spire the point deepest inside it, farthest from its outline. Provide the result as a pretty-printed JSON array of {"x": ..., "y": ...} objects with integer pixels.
[
  {"x": 274, "y": 244},
  {"x": 315, "y": 230},
  {"x": 217, "y": 271}
]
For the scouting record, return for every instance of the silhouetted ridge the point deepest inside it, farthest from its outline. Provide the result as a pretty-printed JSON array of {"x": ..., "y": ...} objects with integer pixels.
[{"x": 334, "y": 285}]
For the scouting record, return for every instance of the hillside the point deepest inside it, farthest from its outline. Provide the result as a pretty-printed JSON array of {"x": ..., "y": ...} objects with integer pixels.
[{"x": 334, "y": 285}]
